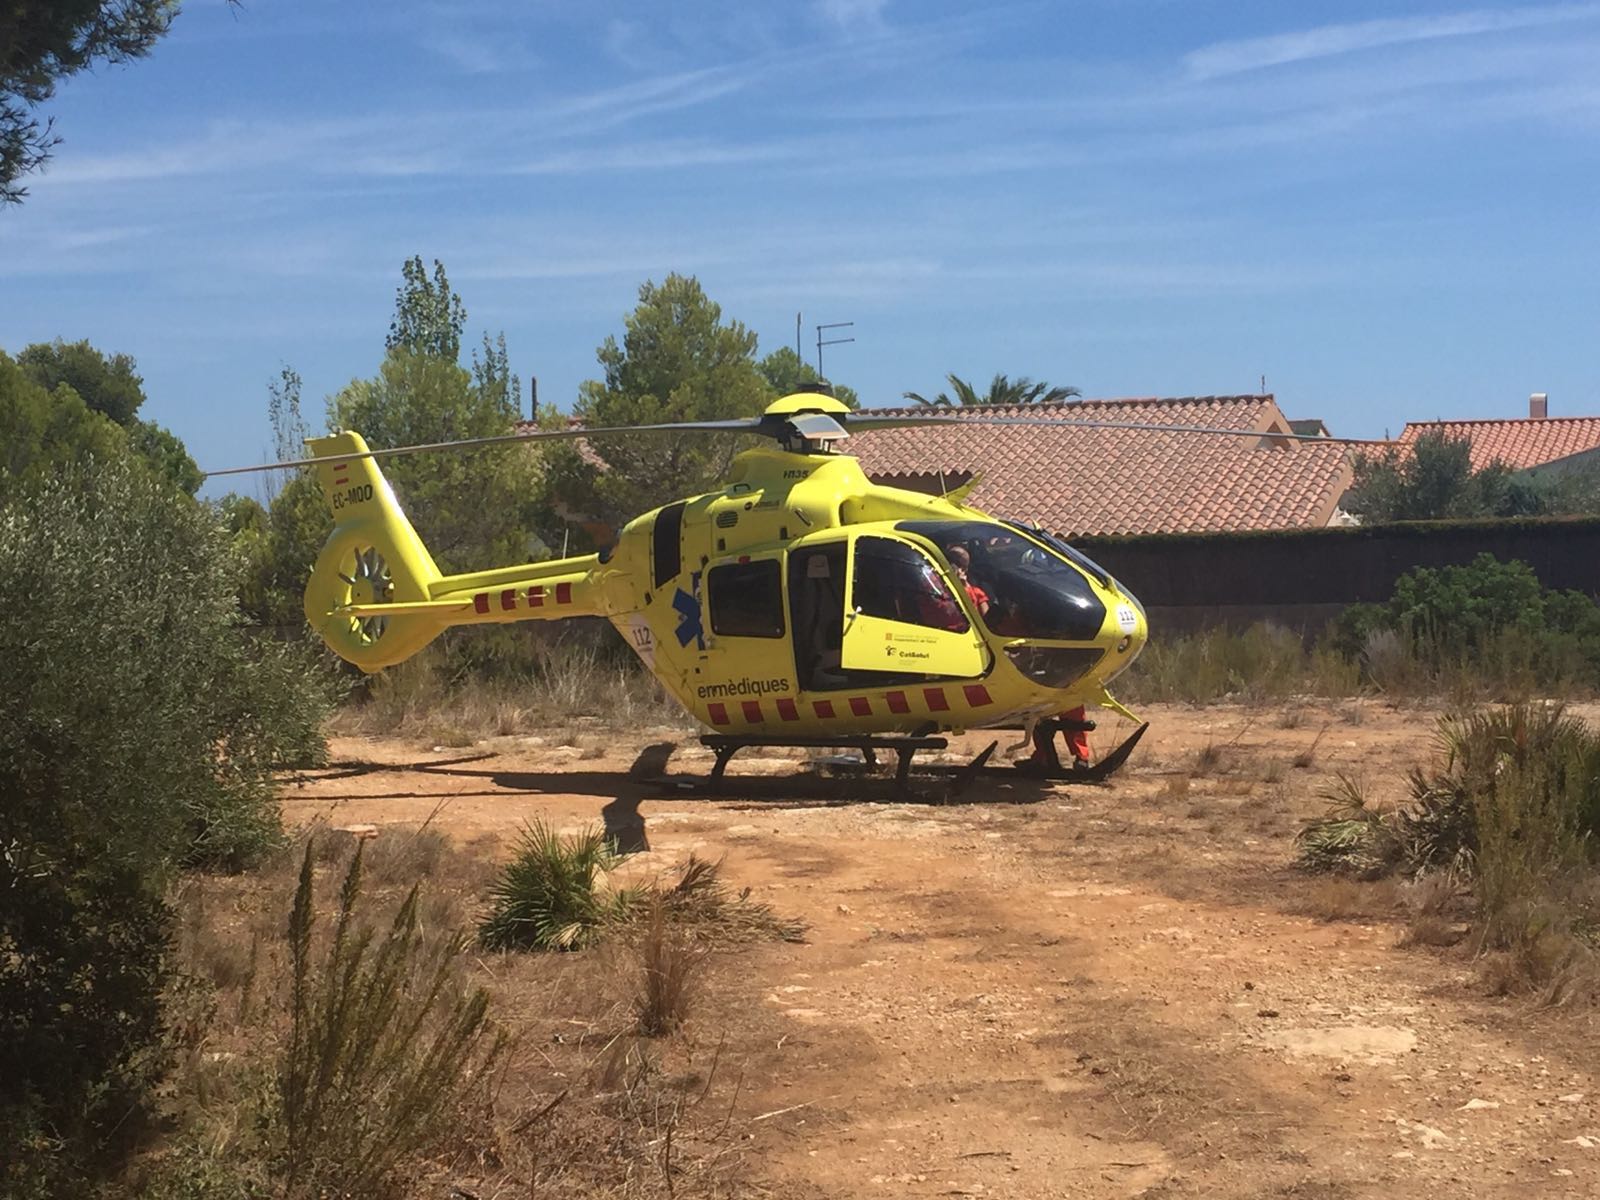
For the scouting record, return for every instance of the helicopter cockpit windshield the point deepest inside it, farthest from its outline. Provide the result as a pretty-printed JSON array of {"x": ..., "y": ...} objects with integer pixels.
[{"x": 1031, "y": 592}]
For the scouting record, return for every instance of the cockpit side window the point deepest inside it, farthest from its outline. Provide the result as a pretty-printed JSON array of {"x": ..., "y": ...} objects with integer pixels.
[
  {"x": 1032, "y": 591},
  {"x": 898, "y": 582}
]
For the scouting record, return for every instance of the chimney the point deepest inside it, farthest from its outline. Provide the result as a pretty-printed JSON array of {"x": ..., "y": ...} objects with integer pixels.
[{"x": 1538, "y": 406}]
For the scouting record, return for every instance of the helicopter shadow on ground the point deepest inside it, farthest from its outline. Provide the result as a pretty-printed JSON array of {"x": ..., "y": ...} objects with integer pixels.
[{"x": 646, "y": 780}]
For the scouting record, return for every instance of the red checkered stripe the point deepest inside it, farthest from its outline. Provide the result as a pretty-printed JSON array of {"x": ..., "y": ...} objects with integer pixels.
[
  {"x": 511, "y": 599},
  {"x": 934, "y": 699}
]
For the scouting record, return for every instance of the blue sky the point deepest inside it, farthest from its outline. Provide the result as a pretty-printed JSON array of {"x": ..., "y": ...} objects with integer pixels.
[{"x": 1388, "y": 210}]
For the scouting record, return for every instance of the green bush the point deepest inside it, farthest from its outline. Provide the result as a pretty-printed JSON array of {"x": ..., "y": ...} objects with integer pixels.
[
  {"x": 139, "y": 727},
  {"x": 1489, "y": 618},
  {"x": 548, "y": 897},
  {"x": 1529, "y": 776}
]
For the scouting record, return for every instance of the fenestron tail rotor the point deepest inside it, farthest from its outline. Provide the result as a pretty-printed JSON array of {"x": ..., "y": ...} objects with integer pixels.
[{"x": 368, "y": 581}]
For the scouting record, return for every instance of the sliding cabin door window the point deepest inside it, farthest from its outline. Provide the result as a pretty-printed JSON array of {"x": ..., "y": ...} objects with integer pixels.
[{"x": 746, "y": 599}]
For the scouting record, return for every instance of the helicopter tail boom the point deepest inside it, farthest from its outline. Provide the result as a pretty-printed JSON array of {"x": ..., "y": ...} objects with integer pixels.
[{"x": 375, "y": 594}]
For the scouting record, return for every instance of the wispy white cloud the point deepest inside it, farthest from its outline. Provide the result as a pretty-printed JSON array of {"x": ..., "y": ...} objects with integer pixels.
[
  {"x": 610, "y": 107},
  {"x": 1326, "y": 41},
  {"x": 854, "y": 15},
  {"x": 665, "y": 155},
  {"x": 480, "y": 54}
]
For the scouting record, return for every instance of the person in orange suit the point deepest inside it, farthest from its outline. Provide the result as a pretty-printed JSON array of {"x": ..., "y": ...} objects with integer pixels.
[{"x": 1044, "y": 755}]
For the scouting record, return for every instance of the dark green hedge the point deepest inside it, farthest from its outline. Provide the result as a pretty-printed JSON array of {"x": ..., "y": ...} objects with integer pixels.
[{"x": 1340, "y": 565}]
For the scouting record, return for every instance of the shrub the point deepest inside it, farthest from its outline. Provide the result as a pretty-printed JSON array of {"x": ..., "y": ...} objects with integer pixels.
[
  {"x": 1352, "y": 839},
  {"x": 139, "y": 727},
  {"x": 1513, "y": 806},
  {"x": 382, "y": 1044},
  {"x": 1486, "y": 622},
  {"x": 548, "y": 897},
  {"x": 1529, "y": 776}
]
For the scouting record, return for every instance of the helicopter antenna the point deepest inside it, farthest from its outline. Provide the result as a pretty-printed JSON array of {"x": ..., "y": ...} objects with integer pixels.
[{"x": 831, "y": 341}]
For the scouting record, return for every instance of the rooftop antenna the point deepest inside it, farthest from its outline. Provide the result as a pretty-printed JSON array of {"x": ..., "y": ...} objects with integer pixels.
[
  {"x": 1263, "y": 385},
  {"x": 831, "y": 341},
  {"x": 798, "y": 353}
]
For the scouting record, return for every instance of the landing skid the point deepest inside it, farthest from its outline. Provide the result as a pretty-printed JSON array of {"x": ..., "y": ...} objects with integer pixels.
[
  {"x": 905, "y": 748},
  {"x": 1078, "y": 772}
]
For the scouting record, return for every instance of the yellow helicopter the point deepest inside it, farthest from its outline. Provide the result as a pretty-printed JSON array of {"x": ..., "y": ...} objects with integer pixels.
[{"x": 797, "y": 604}]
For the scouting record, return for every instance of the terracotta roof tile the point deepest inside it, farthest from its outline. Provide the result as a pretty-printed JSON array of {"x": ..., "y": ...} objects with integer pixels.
[
  {"x": 1104, "y": 481},
  {"x": 1517, "y": 443}
]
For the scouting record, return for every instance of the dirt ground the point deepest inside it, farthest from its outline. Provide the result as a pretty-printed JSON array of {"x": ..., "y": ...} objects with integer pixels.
[{"x": 1042, "y": 990}]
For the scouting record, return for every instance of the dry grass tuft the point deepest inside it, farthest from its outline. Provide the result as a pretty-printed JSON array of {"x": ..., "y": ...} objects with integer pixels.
[
  {"x": 401, "y": 856},
  {"x": 1209, "y": 758},
  {"x": 1545, "y": 963},
  {"x": 701, "y": 903},
  {"x": 1307, "y": 758},
  {"x": 670, "y": 963},
  {"x": 565, "y": 680},
  {"x": 1430, "y": 929},
  {"x": 1338, "y": 898},
  {"x": 1145, "y": 1080}
]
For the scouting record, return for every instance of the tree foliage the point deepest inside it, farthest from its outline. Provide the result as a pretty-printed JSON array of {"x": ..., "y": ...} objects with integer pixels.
[
  {"x": 1434, "y": 480},
  {"x": 428, "y": 315},
  {"x": 47, "y": 429},
  {"x": 108, "y": 384},
  {"x": 1002, "y": 390},
  {"x": 677, "y": 361},
  {"x": 493, "y": 377},
  {"x": 50, "y": 423},
  {"x": 473, "y": 509},
  {"x": 41, "y": 44},
  {"x": 139, "y": 727}
]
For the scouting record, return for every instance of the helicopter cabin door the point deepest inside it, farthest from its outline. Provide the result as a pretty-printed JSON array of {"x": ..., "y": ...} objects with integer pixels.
[
  {"x": 747, "y": 629},
  {"x": 901, "y": 614}
]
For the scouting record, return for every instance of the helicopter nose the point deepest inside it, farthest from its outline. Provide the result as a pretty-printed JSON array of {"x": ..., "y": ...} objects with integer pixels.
[{"x": 1130, "y": 632}]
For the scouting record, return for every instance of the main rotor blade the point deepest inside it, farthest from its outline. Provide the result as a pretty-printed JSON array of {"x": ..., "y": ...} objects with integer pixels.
[
  {"x": 731, "y": 425},
  {"x": 864, "y": 423},
  {"x": 819, "y": 426}
]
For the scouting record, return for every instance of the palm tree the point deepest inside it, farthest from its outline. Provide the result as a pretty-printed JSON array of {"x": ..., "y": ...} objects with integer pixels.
[{"x": 1002, "y": 390}]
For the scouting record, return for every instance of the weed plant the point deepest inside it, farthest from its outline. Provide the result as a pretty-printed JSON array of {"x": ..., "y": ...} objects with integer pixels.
[{"x": 381, "y": 1044}]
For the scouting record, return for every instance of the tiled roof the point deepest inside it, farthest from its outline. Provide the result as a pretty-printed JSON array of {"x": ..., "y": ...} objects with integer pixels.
[
  {"x": 1103, "y": 481},
  {"x": 1517, "y": 443}
]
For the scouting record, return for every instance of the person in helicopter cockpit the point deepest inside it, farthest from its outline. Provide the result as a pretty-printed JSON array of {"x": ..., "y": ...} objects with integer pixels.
[{"x": 961, "y": 563}]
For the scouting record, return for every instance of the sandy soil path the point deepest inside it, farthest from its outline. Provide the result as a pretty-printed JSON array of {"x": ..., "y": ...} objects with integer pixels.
[{"x": 1046, "y": 991}]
